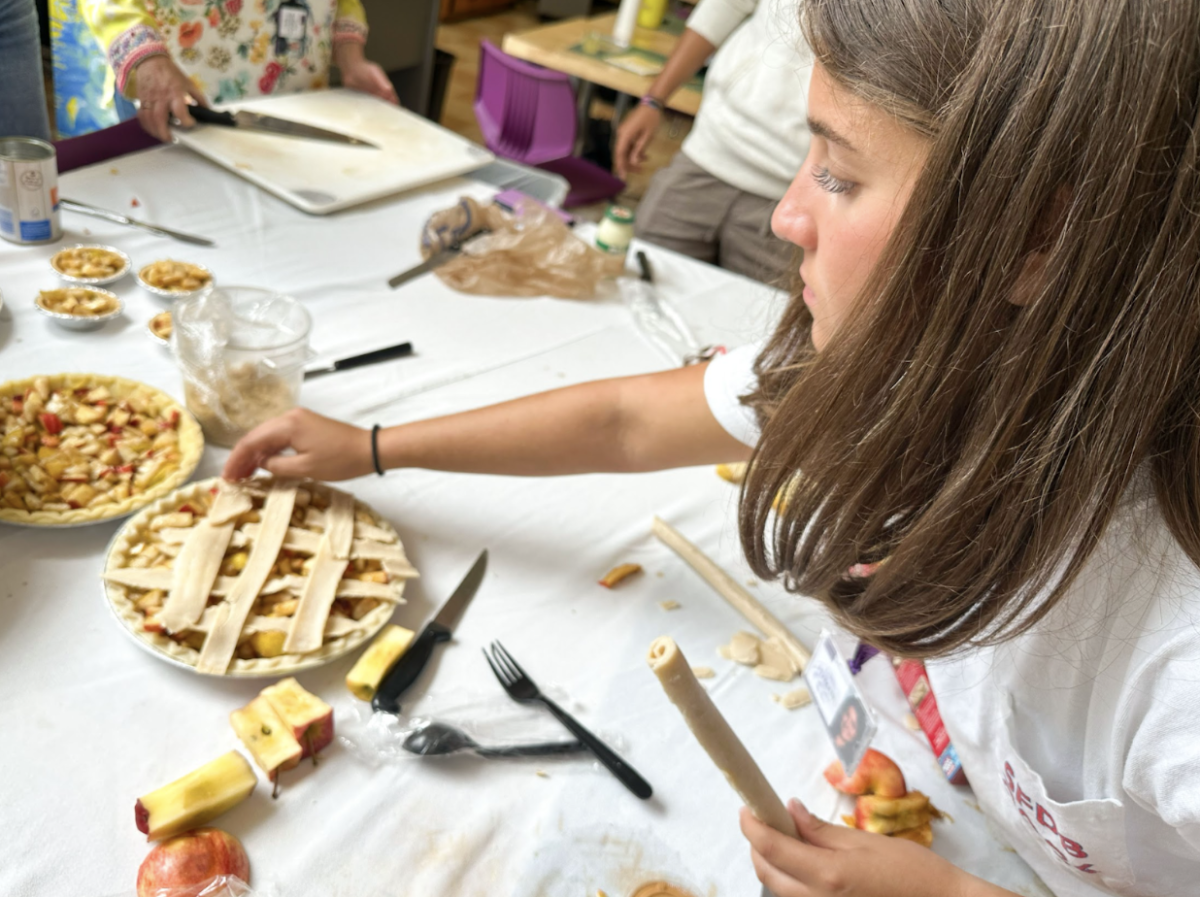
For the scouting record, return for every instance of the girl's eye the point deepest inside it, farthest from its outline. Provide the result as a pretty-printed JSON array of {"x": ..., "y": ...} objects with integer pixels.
[{"x": 829, "y": 183}]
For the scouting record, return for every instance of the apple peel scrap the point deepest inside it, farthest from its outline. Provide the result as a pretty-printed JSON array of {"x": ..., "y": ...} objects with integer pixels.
[{"x": 618, "y": 574}]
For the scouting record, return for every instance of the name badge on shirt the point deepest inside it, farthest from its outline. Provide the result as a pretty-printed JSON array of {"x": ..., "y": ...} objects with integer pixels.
[
  {"x": 844, "y": 712},
  {"x": 291, "y": 27}
]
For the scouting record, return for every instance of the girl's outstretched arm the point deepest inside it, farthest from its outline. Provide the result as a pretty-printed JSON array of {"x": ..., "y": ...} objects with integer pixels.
[{"x": 626, "y": 424}]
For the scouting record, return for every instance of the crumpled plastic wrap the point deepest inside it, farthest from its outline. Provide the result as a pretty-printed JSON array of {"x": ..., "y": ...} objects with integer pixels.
[
  {"x": 220, "y": 886},
  {"x": 491, "y": 720},
  {"x": 530, "y": 252}
]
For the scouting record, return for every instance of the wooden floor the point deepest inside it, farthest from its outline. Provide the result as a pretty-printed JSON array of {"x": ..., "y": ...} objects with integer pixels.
[{"x": 461, "y": 39}]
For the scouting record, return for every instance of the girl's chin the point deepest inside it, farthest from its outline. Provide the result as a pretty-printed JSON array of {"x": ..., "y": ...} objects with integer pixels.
[{"x": 819, "y": 336}]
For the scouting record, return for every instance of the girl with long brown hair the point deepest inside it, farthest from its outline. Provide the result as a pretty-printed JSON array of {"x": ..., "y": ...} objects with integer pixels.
[{"x": 983, "y": 402}]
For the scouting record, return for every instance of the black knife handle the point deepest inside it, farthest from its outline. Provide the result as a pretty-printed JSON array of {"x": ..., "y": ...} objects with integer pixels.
[
  {"x": 211, "y": 116},
  {"x": 626, "y": 774},
  {"x": 533, "y": 750},
  {"x": 405, "y": 673},
  {"x": 387, "y": 354}
]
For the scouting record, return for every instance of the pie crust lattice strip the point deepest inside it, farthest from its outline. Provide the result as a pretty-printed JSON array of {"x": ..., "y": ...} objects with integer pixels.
[{"x": 256, "y": 578}]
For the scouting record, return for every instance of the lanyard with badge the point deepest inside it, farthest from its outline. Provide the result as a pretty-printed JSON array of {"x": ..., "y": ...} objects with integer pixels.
[
  {"x": 847, "y": 718},
  {"x": 291, "y": 27}
]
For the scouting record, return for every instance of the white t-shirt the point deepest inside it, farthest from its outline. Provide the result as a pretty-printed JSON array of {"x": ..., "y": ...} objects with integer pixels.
[
  {"x": 752, "y": 128},
  {"x": 1081, "y": 738}
]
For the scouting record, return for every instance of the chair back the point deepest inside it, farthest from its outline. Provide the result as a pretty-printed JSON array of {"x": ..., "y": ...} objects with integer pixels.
[
  {"x": 107, "y": 143},
  {"x": 526, "y": 112}
]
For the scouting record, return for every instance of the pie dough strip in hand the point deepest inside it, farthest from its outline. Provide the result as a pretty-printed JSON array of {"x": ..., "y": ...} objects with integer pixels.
[
  {"x": 715, "y": 735},
  {"x": 223, "y": 639},
  {"x": 725, "y": 585},
  {"x": 308, "y": 625}
]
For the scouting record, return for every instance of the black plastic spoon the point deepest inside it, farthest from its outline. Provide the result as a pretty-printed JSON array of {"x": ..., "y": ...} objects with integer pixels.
[{"x": 434, "y": 739}]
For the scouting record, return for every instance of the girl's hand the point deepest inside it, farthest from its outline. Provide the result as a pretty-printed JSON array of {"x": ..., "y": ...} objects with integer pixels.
[
  {"x": 835, "y": 860},
  {"x": 324, "y": 449},
  {"x": 359, "y": 73}
]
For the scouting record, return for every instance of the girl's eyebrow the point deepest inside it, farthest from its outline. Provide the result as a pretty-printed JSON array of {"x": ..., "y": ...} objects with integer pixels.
[{"x": 818, "y": 127}]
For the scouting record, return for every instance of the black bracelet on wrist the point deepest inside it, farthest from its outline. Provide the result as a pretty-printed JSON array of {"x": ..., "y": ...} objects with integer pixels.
[
  {"x": 375, "y": 449},
  {"x": 653, "y": 103}
]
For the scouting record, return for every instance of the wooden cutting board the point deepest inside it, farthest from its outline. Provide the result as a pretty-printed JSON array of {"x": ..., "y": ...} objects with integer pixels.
[{"x": 320, "y": 177}]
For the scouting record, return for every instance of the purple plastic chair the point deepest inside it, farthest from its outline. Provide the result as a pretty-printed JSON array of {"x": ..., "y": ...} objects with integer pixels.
[
  {"x": 527, "y": 114},
  {"x": 107, "y": 143}
]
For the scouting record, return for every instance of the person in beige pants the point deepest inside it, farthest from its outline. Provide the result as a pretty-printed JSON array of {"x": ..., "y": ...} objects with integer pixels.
[{"x": 715, "y": 200}]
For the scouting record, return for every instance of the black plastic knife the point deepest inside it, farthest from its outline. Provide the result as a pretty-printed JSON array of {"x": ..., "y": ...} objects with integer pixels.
[{"x": 405, "y": 673}]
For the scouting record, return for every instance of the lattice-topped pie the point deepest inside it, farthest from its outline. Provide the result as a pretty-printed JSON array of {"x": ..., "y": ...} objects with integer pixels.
[
  {"x": 258, "y": 577},
  {"x": 81, "y": 448}
]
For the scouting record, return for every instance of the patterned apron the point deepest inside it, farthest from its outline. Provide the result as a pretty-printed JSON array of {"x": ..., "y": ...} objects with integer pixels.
[{"x": 234, "y": 49}]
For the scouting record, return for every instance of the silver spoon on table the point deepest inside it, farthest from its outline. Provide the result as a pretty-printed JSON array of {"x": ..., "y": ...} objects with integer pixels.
[{"x": 435, "y": 739}]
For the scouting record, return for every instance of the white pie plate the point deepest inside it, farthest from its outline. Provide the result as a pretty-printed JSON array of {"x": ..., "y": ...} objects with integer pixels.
[{"x": 184, "y": 657}]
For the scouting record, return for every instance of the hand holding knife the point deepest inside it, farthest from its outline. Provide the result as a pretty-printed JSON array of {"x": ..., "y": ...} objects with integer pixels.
[{"x": 438, "y": 630}]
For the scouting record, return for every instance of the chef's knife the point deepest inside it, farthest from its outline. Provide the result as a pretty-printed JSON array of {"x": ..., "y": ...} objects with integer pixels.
[
  {"x": 405, "y": 673},
  {"x": 285, "y": 127},
  {"x": 357, "y": 361},
  {"x": 83, "y": 208}
]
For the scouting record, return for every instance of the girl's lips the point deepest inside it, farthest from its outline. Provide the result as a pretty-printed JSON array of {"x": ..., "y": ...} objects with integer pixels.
[{"x": 809, "y": 296}]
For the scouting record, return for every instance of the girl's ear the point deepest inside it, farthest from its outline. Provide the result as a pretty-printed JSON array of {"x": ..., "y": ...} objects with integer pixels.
[{"x": 1032, "y": 278}]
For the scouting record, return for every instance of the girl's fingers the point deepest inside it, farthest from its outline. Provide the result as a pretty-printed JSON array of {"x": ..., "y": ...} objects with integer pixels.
[
  {"x": 815, "y": 831},
  {"x": 803, "y": 862},
  {"x": 775, "y": 880},
  {"x": 258, "y": 446},
  {"x": 288, "y": 465}
]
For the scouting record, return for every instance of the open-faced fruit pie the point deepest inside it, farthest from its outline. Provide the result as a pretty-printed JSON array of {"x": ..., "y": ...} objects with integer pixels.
[
  {"x": 255, "y": 578},
  {"x": 83, "y": 448}
]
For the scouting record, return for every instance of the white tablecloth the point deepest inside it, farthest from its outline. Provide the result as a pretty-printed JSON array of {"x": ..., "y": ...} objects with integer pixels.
[{"x": 90, "y": 721}]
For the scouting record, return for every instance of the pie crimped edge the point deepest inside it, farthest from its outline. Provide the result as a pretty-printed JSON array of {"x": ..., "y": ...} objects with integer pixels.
[
  {"x": 191, "y": 447},
  {"x": 131, "y": 618}
]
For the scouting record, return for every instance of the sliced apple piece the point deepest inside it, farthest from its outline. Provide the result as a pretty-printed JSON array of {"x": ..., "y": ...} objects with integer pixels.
[
  {"x": 310, "y": 718},
  {"x": 877, "y": 774},
  {"x": 200, "y": 796},
  {"x": 268, "y": 738},
  {"x": 389, "y": 646},
  {"x": 884, "y": 815},
  {"x": 922, "y": 834}
]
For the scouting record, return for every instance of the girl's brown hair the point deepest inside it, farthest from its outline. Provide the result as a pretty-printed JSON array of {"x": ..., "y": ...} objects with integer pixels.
[{"x": 982, "y": 447}]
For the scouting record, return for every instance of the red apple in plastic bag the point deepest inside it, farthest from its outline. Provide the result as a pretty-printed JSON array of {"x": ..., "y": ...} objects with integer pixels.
[{"x": 190, "y": 859}]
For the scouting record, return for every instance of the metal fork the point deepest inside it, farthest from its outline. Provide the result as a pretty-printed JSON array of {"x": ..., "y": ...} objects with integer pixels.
[{"x": 525, "y": 691}]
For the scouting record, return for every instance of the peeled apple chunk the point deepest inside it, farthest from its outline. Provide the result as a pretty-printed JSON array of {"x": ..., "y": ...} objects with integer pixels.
[
  {"x": 196, "y": 798},
  {"x": 389, "y": 646},
  {"x": 885, "y": 816},
  {"x": 310, "y": 718},
  {"x": 268, "y": 738}
]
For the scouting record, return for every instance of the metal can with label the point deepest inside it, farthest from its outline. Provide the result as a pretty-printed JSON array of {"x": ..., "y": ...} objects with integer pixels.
[{"x": 28, "y": 191}]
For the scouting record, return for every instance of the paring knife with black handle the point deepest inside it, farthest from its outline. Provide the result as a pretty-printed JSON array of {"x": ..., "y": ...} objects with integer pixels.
[
  {"x": 357, "y": 361},
  {"x": 438, "y": 630}
]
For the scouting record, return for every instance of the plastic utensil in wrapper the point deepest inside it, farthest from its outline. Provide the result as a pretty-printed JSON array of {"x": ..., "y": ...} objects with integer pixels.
[
  {"x": 242, "y": 352},
  {"x": 530, "y": 252}
]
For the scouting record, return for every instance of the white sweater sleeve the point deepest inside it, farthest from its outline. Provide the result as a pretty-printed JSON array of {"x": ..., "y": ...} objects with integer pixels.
[{"x": 714, "y": 20}]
